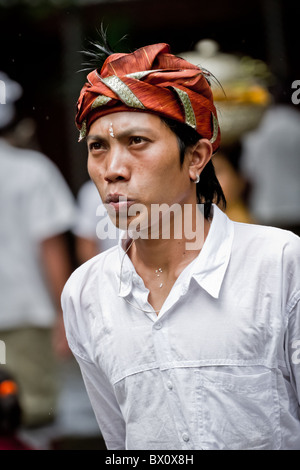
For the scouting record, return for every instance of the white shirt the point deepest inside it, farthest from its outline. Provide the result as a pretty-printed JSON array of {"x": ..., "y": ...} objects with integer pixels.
[
  {"x": 218, "y": 368},
  {"x": 35, "y": 204}
]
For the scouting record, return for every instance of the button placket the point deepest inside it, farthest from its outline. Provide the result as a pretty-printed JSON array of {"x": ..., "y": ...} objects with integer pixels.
[
  {"x": 169, "y": 385},
  {"x": 162, "y": 348}
]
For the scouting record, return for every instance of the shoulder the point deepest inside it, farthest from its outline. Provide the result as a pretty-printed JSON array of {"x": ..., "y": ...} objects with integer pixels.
[
  {"x": 88, "y": 273},
  {"x": 271, "y": 256},
  {"x": 266, "y": 236},
  {"x": 34, "y": 159},
  {"x": 37, "y": 167},
  {"x": 270, "y": 246},
  {"x": 80, "y": 299},
  {"x": 83, "y": 289}
]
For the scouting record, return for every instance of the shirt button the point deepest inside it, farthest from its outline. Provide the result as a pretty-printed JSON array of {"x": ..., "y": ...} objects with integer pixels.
[
  {"x": 185, "y": 437},
  {"x": 158, "y": 326},
  {"x": 170, "y": 385}
]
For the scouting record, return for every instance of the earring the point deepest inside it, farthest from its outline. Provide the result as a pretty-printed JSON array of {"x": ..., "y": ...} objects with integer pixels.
[{"x": 196, "y": 181}]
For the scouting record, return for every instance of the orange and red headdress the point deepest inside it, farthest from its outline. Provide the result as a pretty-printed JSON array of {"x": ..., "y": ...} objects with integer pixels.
[{"x": 153, "y": 80}]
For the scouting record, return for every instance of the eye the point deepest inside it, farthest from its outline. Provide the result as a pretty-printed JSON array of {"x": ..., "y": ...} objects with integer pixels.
[
  {"x": 137, "y": 140},
  {"x": 94, "y": 146}
]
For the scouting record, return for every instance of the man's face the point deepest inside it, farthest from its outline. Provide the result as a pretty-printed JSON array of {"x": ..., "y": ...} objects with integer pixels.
[{"x": 134, "y": 155}]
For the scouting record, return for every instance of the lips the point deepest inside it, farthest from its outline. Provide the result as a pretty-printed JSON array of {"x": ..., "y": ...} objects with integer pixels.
[{"x": 119, "y": 202}]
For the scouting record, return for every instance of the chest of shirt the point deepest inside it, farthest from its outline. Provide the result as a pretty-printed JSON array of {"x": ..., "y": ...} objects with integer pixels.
[{"x": 196, "y": 330}]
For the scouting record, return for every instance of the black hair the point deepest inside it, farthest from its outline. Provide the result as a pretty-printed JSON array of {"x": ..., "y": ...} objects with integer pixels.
[
  {"x": 208, "y": 189},
  {"x": 10, "y": 409}
]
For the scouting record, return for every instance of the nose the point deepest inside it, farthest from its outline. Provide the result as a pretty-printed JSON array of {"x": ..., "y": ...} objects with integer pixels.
[{"x": 117, "y": 165}]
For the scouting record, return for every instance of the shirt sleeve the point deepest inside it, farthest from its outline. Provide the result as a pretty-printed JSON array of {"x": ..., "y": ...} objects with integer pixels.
[
  {"x": 99, "y": 388},
  {"x": 293, "y": 346},
  {"x": 104, "y": 404},
  {"x": 291, "y": 289}
]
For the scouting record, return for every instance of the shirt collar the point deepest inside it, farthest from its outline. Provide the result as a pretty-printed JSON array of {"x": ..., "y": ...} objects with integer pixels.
[
  {"x": 126, "y": 268},
  {"x": 212, "y": 261},
  {"x": 208, "y": 268}
]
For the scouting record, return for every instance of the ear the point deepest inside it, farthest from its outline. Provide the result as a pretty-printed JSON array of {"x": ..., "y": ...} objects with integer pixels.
[{"x": 199, "y": 155}]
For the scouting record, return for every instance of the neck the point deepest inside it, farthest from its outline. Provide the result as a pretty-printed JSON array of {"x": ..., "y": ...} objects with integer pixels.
[{"x": 174, "y": 252}]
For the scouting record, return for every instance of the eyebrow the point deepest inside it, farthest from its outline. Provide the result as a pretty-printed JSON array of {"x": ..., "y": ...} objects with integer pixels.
[{"x": 126, "y": 133}]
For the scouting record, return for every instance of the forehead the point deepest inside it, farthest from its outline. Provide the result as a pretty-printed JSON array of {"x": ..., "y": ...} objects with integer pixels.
[{"x": 125, "y": 120}]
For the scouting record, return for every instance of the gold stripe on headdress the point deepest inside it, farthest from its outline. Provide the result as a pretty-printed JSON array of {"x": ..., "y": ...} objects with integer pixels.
[
  {"x": 123, "y": 91},
  {"x": 142, "y": 74},
  {"x": 101, "y": 100},
  {"x": 83, "y": 130},
  {"x": 215, "y": 128},
  {"x": 190, "y": 118}
]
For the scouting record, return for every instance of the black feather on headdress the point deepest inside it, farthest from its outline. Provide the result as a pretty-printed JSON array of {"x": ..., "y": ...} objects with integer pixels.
[{"x": 99, "y": 51}]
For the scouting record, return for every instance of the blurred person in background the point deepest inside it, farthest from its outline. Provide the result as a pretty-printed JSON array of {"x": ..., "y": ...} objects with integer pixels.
[
  {"x": 94, "y": 231},
  {"x": 270, "y": 160},
  {"x": 11, "y": 414},
  {"x": 37, "y": 210},
  {"x": 235, "y": 186}
]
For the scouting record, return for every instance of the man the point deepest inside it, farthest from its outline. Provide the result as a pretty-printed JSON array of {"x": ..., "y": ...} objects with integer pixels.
[{"x": 189, "y": 341}]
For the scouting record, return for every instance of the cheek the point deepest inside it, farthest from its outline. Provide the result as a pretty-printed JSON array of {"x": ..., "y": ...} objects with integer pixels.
[
  {"x": 165, "y": 163},
  {"x": 94, "y": 169},
  {"x": 89, "y": 167},
  {"x": 95, "y": 173}
]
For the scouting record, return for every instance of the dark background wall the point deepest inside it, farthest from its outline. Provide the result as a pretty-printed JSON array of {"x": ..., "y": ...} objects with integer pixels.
[{"x": 40, "y": 42}]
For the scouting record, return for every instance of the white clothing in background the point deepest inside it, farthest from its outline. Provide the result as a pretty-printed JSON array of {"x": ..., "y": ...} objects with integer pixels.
[
  {"x": 271, "y": 161},
  {"x": 93, "y": 221},
  {"x": 35, "y": 204}
]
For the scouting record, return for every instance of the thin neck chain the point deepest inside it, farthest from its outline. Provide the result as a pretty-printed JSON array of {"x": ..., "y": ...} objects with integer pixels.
[{"x": 121, "y": 269}]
